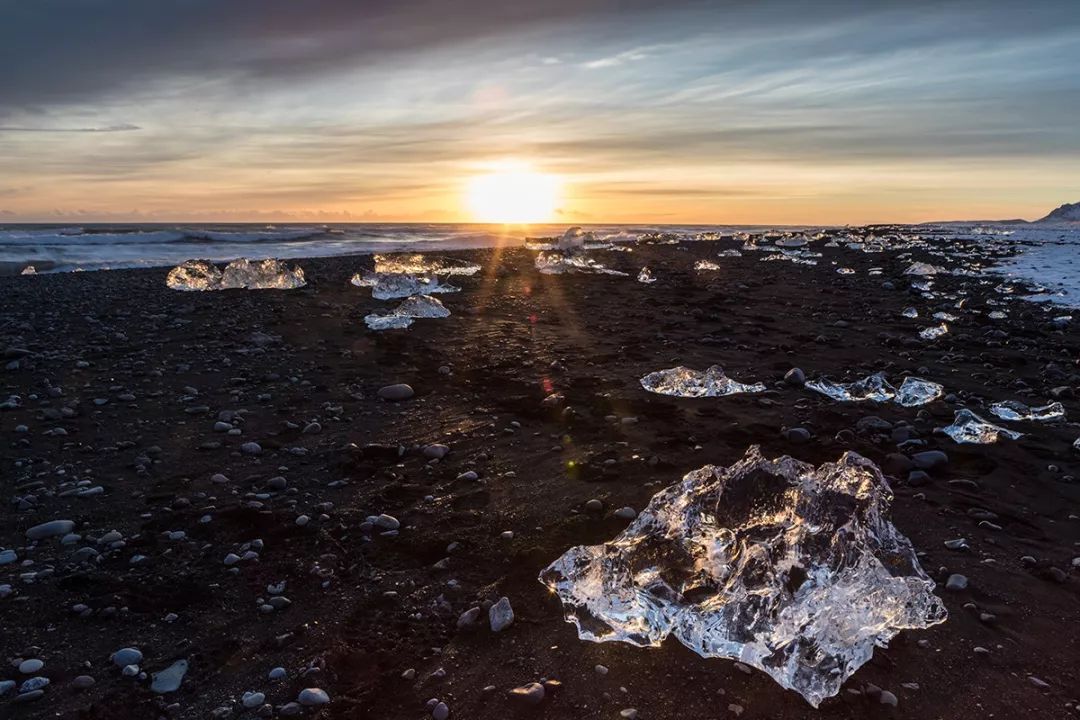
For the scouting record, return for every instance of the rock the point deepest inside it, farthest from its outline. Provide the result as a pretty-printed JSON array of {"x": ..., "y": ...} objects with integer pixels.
[
  {"x": 313, "y": 696},
  {"x": 626, "y": 513},
  {"x": 50, "y": 529},
  {"x": 312, "y": 428},
  {"x": 252, "y": 699},
  {"x": 251, "y": 448},
  {"x": 797, "y": 435},
  {"x": 387, "y": 522},
  {"x": 594, "y": 505},
  {"x": 956, "y": 583},
  {"x": 169, "y": 679},
  {"x": 127, "y": 656},
  {"x": 29, "y": 667},
  {"x": 82, "y": 682},
  {"x": 29, "y": 696},
  {"x": 7, "y": 557},
  {"x": 468, "y": 618},
  {"x": 394, "y": 393},
  {"x": 887, "y": 698},
  {"x": 277, "y": 673},
  {"x": 872, "y": 425},
  {"x": 918, "y": 478},
  {"x": 930, "y": 459},
  {"x": 6, "y": 686},
  {"x": 441, "y": 711},
  {"x": 531, "y": 694},
  {"x": 501, "y": 615},
  {"x": 795, "y": 377},
  {"x": 277, "y": 484},
  {"x": 436, "y": 451},
  {"x": 1038, "y": 682}
]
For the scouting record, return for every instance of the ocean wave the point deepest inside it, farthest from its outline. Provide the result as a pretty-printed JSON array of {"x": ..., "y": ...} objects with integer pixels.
[{"x": 81, "y": 236}]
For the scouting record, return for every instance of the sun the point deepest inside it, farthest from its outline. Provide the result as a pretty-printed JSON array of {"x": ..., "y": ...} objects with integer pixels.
[{"x": 513, "y": 194}]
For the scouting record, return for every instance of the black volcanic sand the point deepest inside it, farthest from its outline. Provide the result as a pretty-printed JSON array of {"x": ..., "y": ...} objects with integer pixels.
[{"x": 366, "y": 608}]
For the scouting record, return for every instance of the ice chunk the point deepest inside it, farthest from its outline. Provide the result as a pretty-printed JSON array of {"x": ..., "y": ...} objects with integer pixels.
[
  {"x": 729, "y": 253},
  {"x": 646, "y": 276},
  {"x": 701, "y": 265},
  {"x": 394, "y": 286},
  {"x": 996, "y": 315},
  {"x": 573, "y": 239},
  {"x": 967, "y": 427},
  {"x": 1015, "y": 410},
  {"x": 933, "y": 332},
  {"x": 910, "y": 312},
  {"x": 916, "y": 391},
  {"x": 29, "y": 270},
  {"x": 193, "y": 275},
  {"x": 557, "y": 263},
  {"x": 921, "y": 268},
  {"x": 794, "y": 570},
  {"x": 422, "y": 265},
  {"x": 416, "y": 306},
  {"x": 944, "y": 316},
  {"x": 791, "y": 242},
  {"x": 686, "y": 382},
  {"x": 845, "y": 271},
  {"x": 269, "y": 274},
  {"x": 873, "y": 387}
]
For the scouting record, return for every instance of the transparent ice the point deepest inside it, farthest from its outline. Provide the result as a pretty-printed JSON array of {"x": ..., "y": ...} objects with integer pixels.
[
  {"x": 416, "y": 306},
  {"x": 934, "y": 332},
  {"x": 558, "y": 263},
  {"x": 394, "y": 286},
  {"x": 701, "y": 265},
  {"x": 423, "y": 265},
  {"x": 646, "y": 276},
  {"x": 729, "y": 253},
  {"x": 1015, "y": 410},
  {"x": 794, "y": 570},
  {"x": 29, "y": 270},
  {"x": 193, "y": 275},
  {"x": 916, "y": 391},
  {"x": 873, "y": 387},
  {"x": 269, "y": 274},
  {"x": 686, "y": 382},
  {"x": 967, "y": 427},
  {"x": 921, "y": 268},
  {"x": 910, "y": 312}
]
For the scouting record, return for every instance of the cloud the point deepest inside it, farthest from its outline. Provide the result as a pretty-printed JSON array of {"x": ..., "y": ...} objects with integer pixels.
[{"x": 123, "y": 127}]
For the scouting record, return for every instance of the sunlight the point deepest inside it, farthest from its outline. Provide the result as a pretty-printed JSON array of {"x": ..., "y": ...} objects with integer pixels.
[{"x": 515, "y": 194}]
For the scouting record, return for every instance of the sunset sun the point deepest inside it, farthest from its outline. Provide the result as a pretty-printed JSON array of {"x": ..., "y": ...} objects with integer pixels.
[{"x": 513, "y": 193}]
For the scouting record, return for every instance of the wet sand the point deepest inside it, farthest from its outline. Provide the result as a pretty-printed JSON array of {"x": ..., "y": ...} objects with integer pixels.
[{"x": 365, "y": 609}]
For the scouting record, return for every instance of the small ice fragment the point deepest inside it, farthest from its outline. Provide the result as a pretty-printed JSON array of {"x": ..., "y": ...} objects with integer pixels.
[
  {"x": 967, "y": 427},
  {"x": 873, "y": 387},
  {"x": 729, "y": 253},
  {"x": 686, "y": 382},
  {"x": 916, "y": 391},
  {"x": 791, "y": 242},
  {"x": 701, "y": 265},
  {"x": 921, "y": 268},
  {"x": 1015, "y": 410},
  {"x": 936, "y": 331},
  {"x": 394, "y": 286},
  {"x": 845, "y": 271},
  {"x": 557, "y": 263},
  {"x": 910, "y": 312},
  {"x": 415, "y": 306},
  {"x": 996, "y": 315},
  {"x": 268, "y": 274},
  {"x": 791, "y": 569},
  {"x": 29, "y": 270},
  {"x": 646, "y": 276},
  {"x": 945, "y": 317},
  {"x": 192, "y": 275}
]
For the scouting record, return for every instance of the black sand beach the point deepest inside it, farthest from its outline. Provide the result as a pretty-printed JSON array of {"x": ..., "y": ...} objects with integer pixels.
[{"x": 121, "y": 382}]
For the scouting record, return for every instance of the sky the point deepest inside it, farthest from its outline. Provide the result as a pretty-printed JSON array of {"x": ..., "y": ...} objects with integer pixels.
[{"x": 676, "y": 112}]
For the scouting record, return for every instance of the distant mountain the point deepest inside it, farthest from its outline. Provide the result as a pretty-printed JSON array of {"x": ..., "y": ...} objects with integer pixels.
[{"x": 1067, "y": 213}]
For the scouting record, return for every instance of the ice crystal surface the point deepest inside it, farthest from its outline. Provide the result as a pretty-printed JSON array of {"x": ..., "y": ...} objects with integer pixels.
[
  {"x": 934, "y": 332},
  {"x": 701, "y": 265},
  {"x": 794, "y": 570},
  {"x": 423, "y": 265},
  {"x": 921, "y": 268},
  {"x": 269, "y": 274},
  {"x": 415, "y": 306},
  {"x": 916, "y": 391},
  {"x": 686, "y": 382},
  {"x": 394, "y": 286},
  {"x": 1015, "y": 410},
  {"x": 557, "y": 262},
  {"x": 874, "y": 387},
  {"x": 967, "y": 427},
  {"x": 646, "y": 276}
]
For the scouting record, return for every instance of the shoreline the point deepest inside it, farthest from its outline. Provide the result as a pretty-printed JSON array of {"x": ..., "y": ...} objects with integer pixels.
[{"x": 365, "y": 608}]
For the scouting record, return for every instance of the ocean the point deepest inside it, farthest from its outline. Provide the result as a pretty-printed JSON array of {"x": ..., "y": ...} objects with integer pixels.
[{"x": 1047, "y": 256}]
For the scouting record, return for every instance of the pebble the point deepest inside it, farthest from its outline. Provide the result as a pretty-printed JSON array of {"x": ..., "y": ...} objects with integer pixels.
[
  {"x": 797, "y": 435},
  {"x": 887, "y": 698},
  {"x": 594, "y": 505},
  {"x": 501, "y": 615},
  {"x": 251, "y": 448},
  {"x": 436, "y": 452},
  {"x": 50, "y": 529},
  {"x": 531, "y": 694},
  {"x": 252, "y": 699},
  {"x": 82, "y": 682},
  {"x": 626, "y": 513},
  {"x": 795, "y": 377},
  {"x": 127, "y": 656},
  {"x": 400, "y": 391},
  {"x": 7, "y": 557},
  {"x": 313, "y": 696},
  {"x": 930, "y": 459},
  {"x": 387, "y": 522},
  {"x": 441, "y": 711},
  {"x": 169, "y": 679},
  {"x": 29, "y": 667},
  {"x": 277, "y": 673}
]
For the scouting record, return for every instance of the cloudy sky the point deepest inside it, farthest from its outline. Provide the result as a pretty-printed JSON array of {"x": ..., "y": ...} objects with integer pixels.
[{"x": 727, "y": 112}]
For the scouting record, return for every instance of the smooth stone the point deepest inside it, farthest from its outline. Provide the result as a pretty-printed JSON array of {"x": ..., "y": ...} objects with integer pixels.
[
  {"x": 169, "y": 679},
  {"x": 594, "y": 505},
  {"x": 387, "y": 522},
  {"x": 626, "y": 513},
  {"x": 400, "y": 391},
  {"x": 501, "y": 615},
  {"x": 50, "y": 529},
  {"x": 531, "y": 694},
  {"x": 251, "y": 448},
  {"x": 6, "y": 686},
  {"x": 127, "y": 656},
  {"x": 436, "y": 451},
  {"x": 797, "y": 435},
  {"x": 795, "y": 377},
  {"x": 29, "y": 667},
  {"x": 441, "y": 711},
  {"x": 30, "y": 696},
  {"x": 82, "y": 682},
  {"x": 930, "y": 459},
  {"x": 252, "y": 699},
  {"x": 277, "y": 673},
  {"x": 313, "y": 696},
  {"x": 7, "y": 557}
]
